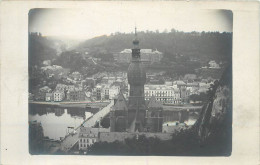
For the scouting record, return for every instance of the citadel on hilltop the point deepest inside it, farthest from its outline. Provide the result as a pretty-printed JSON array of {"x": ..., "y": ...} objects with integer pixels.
[{"x": 148, "y": 56}]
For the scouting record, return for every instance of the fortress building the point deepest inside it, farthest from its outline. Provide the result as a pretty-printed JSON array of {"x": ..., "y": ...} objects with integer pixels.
[{"x": 133, "y": 115}]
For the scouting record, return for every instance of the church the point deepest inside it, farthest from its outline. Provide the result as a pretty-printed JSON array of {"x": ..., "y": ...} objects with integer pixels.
[{"x": 136, "y": 114}]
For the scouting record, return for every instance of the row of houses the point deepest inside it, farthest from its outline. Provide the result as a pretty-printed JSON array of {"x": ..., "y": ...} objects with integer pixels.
[
  {"x": 176, "y": 92},
  {"x": 64, "y": 92},
  {"x": 163, "y": 93},
  {"x": 105, "y": 91}
]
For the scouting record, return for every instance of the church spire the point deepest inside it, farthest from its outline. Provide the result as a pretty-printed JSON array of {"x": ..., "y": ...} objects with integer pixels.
[
  {"x": 135, "y": 33},
  {"x": 136, "y": 41}
]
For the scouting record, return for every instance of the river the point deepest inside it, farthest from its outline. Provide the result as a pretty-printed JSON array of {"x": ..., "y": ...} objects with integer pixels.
[{"x": 56, "y": 120}]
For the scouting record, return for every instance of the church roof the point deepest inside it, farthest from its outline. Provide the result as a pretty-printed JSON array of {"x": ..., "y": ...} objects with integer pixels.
[
  {"x": 120, "y": 103},
  {"x": 153, "y": 103},
  {"x": 126, "y": 51}
]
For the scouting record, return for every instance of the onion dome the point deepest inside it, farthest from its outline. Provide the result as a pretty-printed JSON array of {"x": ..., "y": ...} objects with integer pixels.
[{"x": 136, "y": 41}]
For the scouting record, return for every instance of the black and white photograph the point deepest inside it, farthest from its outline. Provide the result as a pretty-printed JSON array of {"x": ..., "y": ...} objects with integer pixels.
[{"x": 130, "y": 81}]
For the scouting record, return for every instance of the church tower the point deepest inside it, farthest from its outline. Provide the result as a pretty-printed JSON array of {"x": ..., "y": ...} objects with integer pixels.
[{"x": 136, "y": 78}]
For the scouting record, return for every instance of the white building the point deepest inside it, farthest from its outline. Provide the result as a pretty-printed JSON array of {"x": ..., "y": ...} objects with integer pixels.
[
  {"x": 147, "y": 55},
  {"x": 213, "y": 64},
  {"x": 76, "y": 76},
  {"x": 106, "y": 91},
  {"x": 48, "y": 97},
  {"x": 88, "y": 136},
  {"x": 58, "y": 95},
  {"x": 163, "y": 93},
  {"x": 113, "y": 91}
]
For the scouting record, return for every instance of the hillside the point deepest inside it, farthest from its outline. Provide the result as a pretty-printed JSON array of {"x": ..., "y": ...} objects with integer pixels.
[
  {"x": 204, "y": 46},
  {"x": 40, "y": 49}
]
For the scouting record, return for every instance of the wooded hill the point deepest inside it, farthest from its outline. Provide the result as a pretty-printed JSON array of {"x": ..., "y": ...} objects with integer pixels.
[{"x": 204, "y": 46}]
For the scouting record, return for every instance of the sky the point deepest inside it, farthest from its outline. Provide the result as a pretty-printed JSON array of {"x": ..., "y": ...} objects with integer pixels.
[{"x": 91, "y": 21}]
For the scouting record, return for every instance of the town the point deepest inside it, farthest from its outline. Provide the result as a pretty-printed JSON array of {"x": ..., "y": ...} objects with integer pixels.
[
  {"x": 62, "y": 85},
  {"x": 134, "y": 102}
]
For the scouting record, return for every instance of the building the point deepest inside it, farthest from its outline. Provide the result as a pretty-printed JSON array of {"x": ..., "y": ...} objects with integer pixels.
[
  {"x": 135, "y": 115},
  {"x": 99, "y": 93},
  {"x": 110, "y": 91},
  {"x": 106, "y": 91},
  {"x": 42, "y": 93},
  {"x": 61, "y": 87},
  {"x": 91, "y": 82},
  {"x": 163, "y": 93},
  {"x": 118, "y": 115},
  {"x": 76, "y": 94},
  {"x": 136, "y": 102},
  {"x": 154, "y": 116},
  {"x": 179, "y": 83},
  {"x": 106, "y": 95},
  {"x": 48, "y": 97},
  {"x": 58, "y": 95},
  {"x": 76, "y": 76},
  {"x": 213, "y": 64},
  {"x": 124, "y": 56},
  {"x": 184, "y": 94},
  {"x": 147, "y": 56},
  {"x": 88, "y": 136},
  {"x": 113, "y": 91},
  {"x": 70, "y": 87}
]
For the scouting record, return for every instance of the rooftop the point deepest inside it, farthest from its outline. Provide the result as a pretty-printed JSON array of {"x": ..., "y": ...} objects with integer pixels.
[
  {"x": 160, "y": 87},
  {"x": 120, "y": 103},
  {"x": 91, "y": 132},
  {"x": 153, "y": 103}
]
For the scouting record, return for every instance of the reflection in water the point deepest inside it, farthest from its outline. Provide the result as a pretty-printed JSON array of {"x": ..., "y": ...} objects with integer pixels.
[{"x": 55, "y": 120}]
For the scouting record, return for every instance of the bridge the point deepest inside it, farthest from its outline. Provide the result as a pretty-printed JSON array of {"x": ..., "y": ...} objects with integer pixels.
[
  {"x": 182, "y": 108},
  {"x": 180, "y": 113},
  {"x": 71, "y": 139}
]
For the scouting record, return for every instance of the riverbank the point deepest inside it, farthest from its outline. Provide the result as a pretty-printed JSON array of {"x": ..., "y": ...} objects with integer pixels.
[{"x": 81, "y": 104}]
